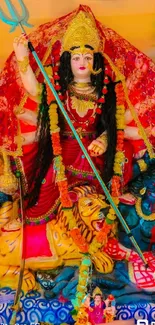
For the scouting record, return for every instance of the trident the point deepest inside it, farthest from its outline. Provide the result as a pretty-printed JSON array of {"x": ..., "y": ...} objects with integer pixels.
[{"x": 15, "y": 21}]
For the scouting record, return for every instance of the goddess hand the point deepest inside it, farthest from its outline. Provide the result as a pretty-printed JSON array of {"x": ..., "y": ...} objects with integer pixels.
[
  {"x": 28, "y": 77},
  {"x": 98, "y": 146},
  {"x": 20, "y": 45},
  {"x": 27, "y": 116}
]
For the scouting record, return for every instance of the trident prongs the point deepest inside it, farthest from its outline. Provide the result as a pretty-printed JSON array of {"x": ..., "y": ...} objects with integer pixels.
[{"x": 15, "y": 19}]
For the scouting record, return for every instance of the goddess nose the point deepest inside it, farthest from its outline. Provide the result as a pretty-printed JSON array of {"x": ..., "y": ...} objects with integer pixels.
[{"x": 82, "y": 61}]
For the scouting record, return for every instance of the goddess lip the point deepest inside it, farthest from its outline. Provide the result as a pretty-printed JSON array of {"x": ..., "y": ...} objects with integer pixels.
[{"x": 82, "y": 68}]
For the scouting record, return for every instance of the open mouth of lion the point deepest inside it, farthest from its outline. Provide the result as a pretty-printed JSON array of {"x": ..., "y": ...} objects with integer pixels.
[{"x": 98, "y": 224}]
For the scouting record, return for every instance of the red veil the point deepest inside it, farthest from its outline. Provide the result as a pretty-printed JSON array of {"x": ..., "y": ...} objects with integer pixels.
[{"x": 137, "y": 68}]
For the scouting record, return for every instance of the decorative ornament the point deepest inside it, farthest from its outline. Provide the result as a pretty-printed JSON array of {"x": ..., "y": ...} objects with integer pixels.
[
  {"x": 8, "y": 181},
  {"x": 94, "y": 72},
  {"x": 80, "y": 32},
  {"x": 23, "y": 65},
  {"x": 97, "y": 291},
  {"x": 82, "y": 106}
]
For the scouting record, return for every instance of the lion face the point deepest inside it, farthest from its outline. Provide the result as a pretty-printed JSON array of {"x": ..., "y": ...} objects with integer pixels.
[{"x": 92, "y": 209}]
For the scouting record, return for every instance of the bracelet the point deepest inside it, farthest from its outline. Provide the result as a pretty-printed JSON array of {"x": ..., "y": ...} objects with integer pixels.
[
  {"x": 39, "y": 89},
  {"x": 23, "y": 65},
  {"x": 104, "y": 138},
  {"x": 18, "y": 110}
]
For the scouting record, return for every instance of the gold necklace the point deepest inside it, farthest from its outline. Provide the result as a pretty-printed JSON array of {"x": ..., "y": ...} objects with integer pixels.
[
  {"x": 81, "y": 84},
  {"x": 83, "y": 94}
]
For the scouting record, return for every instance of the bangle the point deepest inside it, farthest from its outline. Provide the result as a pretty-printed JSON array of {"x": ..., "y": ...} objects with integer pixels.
[
  {"x": 19, "y": 110},
  {"x": 39, "y": 89},
  {"x": 23, "y": 65},
  {"x": 104, "y": 138}
]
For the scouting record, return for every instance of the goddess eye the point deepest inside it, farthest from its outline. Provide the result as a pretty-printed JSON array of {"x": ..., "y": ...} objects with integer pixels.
[
  {"x": 88, "y": 58},
  {"x": 76, "y": 58}
]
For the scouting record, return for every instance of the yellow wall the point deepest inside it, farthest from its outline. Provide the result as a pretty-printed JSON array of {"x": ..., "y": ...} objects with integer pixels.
[{"x": 133, "y": 19}]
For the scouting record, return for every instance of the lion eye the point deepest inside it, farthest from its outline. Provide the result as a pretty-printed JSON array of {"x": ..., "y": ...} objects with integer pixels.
[{"x": 90, "y": 204}]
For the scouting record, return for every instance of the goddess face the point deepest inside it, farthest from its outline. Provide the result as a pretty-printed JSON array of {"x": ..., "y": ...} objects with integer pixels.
[
  {"x": 87, "y": 301},
  {"x": 97, "y": 300},
  {"x": 79, "y": 66}
]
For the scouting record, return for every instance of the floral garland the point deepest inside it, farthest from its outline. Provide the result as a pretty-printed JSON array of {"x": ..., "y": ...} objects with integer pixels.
[
  {"x": 101, "y": 238},
  {"x": 59, "y": 167},
  {"x": 82, "y": 283},
  {"x": 119, "y": 155}
]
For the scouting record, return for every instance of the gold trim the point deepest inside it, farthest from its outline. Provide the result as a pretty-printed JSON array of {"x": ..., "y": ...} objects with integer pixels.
[
  {"x": 23, "y": 177},
  {"x": 71, "y": 168},
  {"x": 19, "y": 151},
  {"x": 54, "y": 207},
  {"x": 139, "y": 211},
  {"x": 20, "y": 109},
  {"x": 8, "y": 181},
  {"x": 82, "y": 132},
  {"x": 46, "y": 214},
  {"x": 131, "y": 273}
]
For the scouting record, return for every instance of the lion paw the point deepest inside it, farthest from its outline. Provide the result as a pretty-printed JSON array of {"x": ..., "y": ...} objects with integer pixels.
[{"x": 103, "y": 263}]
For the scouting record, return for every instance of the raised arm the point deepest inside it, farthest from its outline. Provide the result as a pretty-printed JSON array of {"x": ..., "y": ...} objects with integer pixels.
[
  {"x": 29, "y": 80},
  {"x": 132, "y": 132}
]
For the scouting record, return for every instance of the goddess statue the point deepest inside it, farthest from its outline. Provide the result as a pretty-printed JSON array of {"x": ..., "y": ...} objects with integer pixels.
[
  {"x": 92, "y": 87},
  {"x": 99, "y": 313},
  {"x": 90, "y": 94}
]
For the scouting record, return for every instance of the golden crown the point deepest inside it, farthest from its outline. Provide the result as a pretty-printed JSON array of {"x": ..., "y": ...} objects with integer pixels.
[
  {"x": 97, "y": 291},
  {"x": 80, "y": 32}
]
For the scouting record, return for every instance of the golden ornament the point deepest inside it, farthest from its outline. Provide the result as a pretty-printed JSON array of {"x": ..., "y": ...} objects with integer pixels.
[
  {"x": 81, "y": 106},
  {"x": 81, "y": 31}
]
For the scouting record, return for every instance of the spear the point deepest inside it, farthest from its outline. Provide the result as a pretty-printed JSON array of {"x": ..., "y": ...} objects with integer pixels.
[{"x": 17, "y": 20}]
